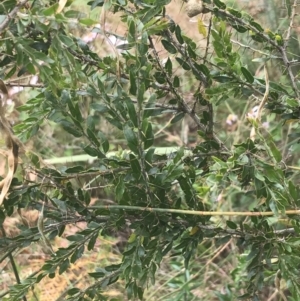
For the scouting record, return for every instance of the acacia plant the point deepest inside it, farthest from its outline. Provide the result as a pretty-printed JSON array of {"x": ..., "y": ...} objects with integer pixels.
[{"x": 113, "y": 105}]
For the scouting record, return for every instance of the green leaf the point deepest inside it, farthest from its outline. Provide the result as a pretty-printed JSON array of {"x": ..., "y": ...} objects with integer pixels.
[
  {"x": 169, "y": 47},
  {"x": 168, "y": 66},
  {"x": 72, "y": 14},
  {"x": 93, "y": 137},
  {"x": 69, "y": 127},
  {"x": 132, "y": 79},
  {"x": 76, "y": 237},
  {"x": 178, "y": 117},
  {"x": 92, "y": 242},
  {"x": 77, "y": 254},
  {"x": 75, "y": 169},
  {"x": 288, "y": 7},
  {"x": 64, "y": 266},
  {"x": 176, "y": 81},
  {"x": 248, "y": 75},
  {"x": 104, "y": 142},
  {"x": 220, "y": 4},
  {"x": 203, "y": 69},
  {"x": 231, "y": 225},
  {"x": 178, "y": 35},
  {"x": 73, "y": 291},
  {"x": 131, "y": 31},
  {"x": 131, "y": 139},
  {"x": 120, "y": 188},
  {"x": 183, "y": 64},
  {"x": 149, "y": 137},
  {"x": 88, "y": 22},
  {"x": 51, "y": 10},
  {"x": 257, "y": 26}
]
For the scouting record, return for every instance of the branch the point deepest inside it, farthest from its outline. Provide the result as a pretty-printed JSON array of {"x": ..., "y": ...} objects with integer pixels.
[
  {"x": 194, "y": 212},
  {"x": 283, "y": 49},
  {"x": 12, "y": 14}
]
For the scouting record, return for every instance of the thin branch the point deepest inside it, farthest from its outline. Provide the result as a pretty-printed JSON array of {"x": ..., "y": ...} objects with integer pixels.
[
  {"x": 194, "y": 212},
  {"x": 12, "y": 14},
  {"x": 13, "y": 264},
  {"x": 255, "y": 50},
  {"x": 284, "y": 53}
]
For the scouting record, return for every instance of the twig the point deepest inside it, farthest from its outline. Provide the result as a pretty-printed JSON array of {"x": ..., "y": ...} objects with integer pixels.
[
  {"x": 12, "y": 14},
  {"x": 13, "y": 264},
  {"x": 255, "y": 50},
  {"x": 194, "y": 212},
  {"x": 261, "y": 105},
  {"x": 284, "y": 54}
]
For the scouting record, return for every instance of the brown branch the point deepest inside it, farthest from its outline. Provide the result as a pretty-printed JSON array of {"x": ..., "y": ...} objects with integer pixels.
[{"x": 12, "y": 14}]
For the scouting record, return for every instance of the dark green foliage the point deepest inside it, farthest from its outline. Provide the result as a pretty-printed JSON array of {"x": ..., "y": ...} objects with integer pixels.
[{"x": 84, "y": 95}]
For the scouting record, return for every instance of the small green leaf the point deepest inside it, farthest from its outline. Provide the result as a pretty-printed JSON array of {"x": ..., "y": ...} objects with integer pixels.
[
  {"x": 149, "y": 137},
  {"x": 75, "y": 169},
  {"x": 176, "y": 81},
  {"x": 131, "y": 139},
  {"x": 131, "y": 31},
  {"x": 104, "y": 142},
  {"x": 73, "y": 291},
  {"x": 178, "y": 35},
  {"x": 77, "y": 254},
  {"x": 92, "y": 242},
  {"x": 183, "y": 64},
  {"x": 169, "y": 47},
  {"x": 220, "y": 4},
  {"x": 64, "y": 266},
  {"x": 88, "y": 22},
  {"x": 248, "y": 75},
  {"x": 257, "y": 26},
  {"x": 51, "y": 10},
  {"x": 168, "y": 66},
  {"x": 72, "y": 14},
  {"x": 76, "y": 237},
  {"x": 120, "y": 188},
  {"x": 132, "y": 79},
  {"x": 177, "y": 117},
  {"x": 231, "y": 224},
  {"x": 93, "y": 137}
]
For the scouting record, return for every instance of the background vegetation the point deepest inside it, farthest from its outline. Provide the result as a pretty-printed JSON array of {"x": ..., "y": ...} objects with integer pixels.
[{"x": 158, "y": 153}]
